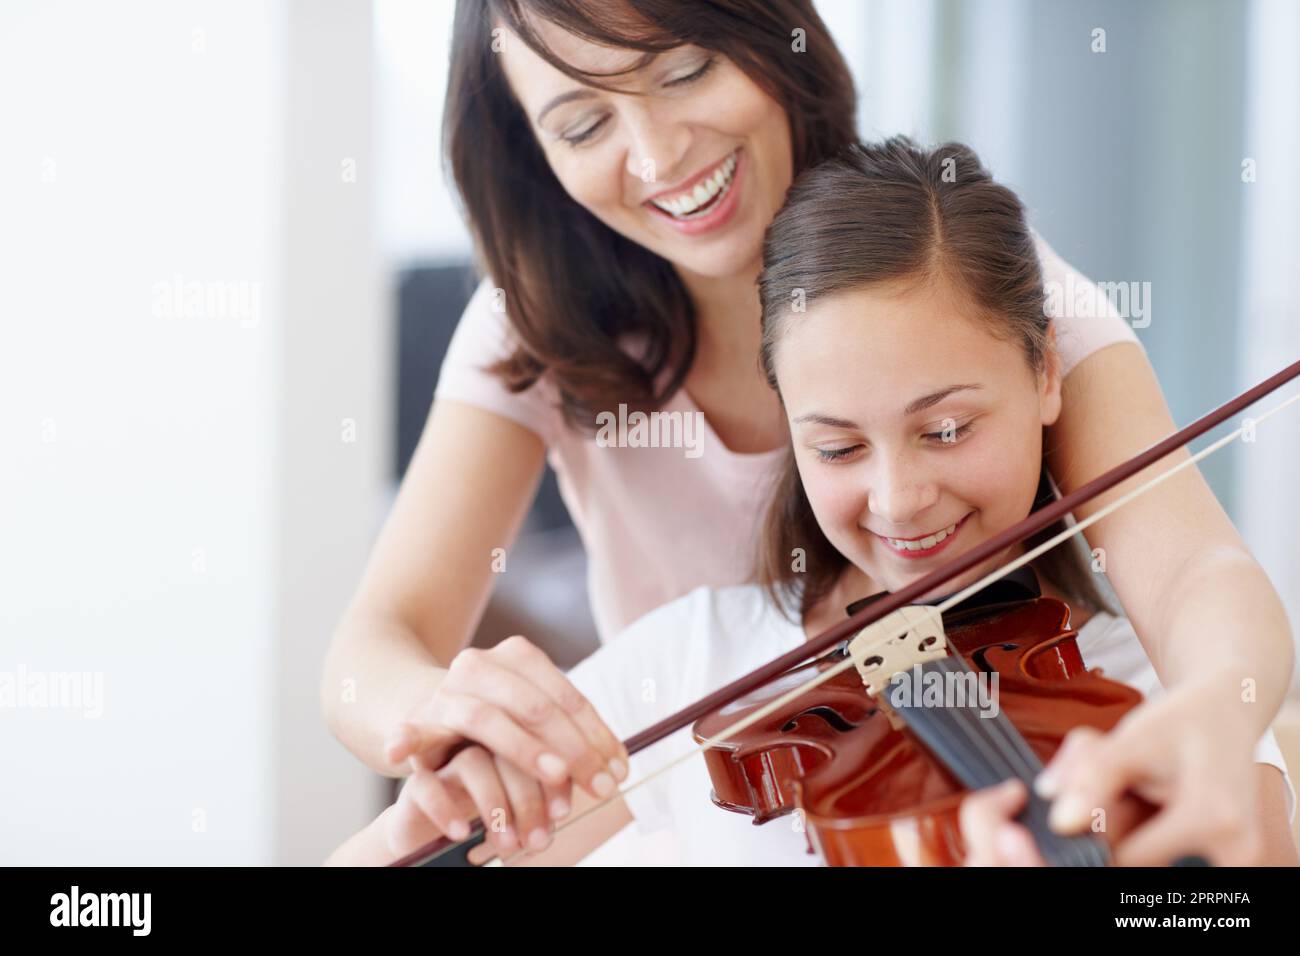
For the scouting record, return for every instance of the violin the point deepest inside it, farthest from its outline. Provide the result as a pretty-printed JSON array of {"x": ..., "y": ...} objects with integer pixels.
[
  {"x": 854, "y": 793},
  {"x": 877, "y": 779}
]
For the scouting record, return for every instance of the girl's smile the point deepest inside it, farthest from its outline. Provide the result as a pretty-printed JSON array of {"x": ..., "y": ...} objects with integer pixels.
[{"x": 923, "y": 546}]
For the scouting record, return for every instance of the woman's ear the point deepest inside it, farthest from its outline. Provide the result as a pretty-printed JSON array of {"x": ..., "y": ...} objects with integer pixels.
[{"x": 1049, "y": 380}]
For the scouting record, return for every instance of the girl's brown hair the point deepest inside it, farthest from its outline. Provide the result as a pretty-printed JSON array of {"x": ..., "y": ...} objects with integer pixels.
[
  {"x": 882, "y": 213},
  {"x": 573, "y": 287}
]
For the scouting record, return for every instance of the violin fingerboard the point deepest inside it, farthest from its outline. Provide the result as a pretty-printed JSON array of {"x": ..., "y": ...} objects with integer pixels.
[{"x": 942, "y": 704}]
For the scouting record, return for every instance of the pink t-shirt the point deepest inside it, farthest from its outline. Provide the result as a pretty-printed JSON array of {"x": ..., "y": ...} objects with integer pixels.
[{"x": 658, "y": 522}]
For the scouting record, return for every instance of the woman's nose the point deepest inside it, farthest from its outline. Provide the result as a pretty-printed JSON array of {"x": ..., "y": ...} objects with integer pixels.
[{"x": 657, "y": 144}]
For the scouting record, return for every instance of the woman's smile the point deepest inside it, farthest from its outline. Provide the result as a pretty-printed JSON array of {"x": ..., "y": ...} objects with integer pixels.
[{"x": 704, "y": 202}]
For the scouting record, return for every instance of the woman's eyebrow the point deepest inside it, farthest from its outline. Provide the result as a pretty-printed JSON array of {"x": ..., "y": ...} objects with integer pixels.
[
  {"x": 934, "y": 398},
  {"x": 583, "y": 92},
  {"x": 579, "y": 94}
]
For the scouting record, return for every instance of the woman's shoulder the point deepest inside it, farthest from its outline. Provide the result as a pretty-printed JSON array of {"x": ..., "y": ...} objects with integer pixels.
[
  {"x": 484, "y": 337},
  {"x": 1083, "y": 313}
]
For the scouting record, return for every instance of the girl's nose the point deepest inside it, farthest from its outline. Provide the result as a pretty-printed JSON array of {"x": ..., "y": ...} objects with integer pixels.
[{"x": 898, "y": 494}]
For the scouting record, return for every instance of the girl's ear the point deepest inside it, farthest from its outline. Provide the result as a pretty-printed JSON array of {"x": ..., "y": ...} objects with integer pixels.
[{"x": 1049, "y": 380}]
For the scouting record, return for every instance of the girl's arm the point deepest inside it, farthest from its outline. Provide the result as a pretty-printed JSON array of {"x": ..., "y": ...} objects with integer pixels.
[
  {"x": 1205, "y": 612},
  {"x": 1201, "y": 605},
  {"x": 993, "y": 838},
  {"x": 407, "y": 825},
  {"x": 396, "y": 686}
]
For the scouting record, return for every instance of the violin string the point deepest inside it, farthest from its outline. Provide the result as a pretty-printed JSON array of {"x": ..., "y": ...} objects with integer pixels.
[
  {"x": 1000, "y": 731},
  {"x": 953, "y": 600}
]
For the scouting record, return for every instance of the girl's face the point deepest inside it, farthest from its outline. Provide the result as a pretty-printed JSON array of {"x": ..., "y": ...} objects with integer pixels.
[
  {"x": 694, "y": 169},
  {"x": 917, "y": 432}
]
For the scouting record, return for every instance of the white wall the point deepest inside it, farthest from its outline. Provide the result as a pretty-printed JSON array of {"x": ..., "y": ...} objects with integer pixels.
[
  {"x": 148, "y": 520},
  {"x": 1268, "y": 508}
]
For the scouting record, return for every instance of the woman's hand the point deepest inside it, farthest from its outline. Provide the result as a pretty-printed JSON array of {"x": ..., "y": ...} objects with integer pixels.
[
  {"x": 518, "y": 705},
  {"x": 1187, "y": 752},
  {"x": 517, "y": 812}
]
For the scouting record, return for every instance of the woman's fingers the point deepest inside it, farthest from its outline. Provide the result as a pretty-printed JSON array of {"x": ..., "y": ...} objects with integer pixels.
[
  {"x": 597, "y": 759},
  {"x": 418, "y": 735},
  {"x": 514, "y": 701}
]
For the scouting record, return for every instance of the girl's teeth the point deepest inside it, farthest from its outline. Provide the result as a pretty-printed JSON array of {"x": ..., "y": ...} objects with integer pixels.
[{"x": 923, "y": 544}]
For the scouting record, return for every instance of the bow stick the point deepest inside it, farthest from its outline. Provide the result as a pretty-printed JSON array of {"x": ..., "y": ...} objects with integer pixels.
[{"x": 443, "y": 848}]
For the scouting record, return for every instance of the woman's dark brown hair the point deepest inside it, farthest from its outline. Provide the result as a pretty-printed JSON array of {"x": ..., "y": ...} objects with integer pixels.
[
  {"x": 886, "y": 213},
  {"x": 572, "y": 286}
]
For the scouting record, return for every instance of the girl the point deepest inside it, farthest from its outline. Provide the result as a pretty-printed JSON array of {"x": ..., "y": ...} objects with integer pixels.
[
  {"x": 903, "y": 330},
  {"x": 619, "y": 161}
]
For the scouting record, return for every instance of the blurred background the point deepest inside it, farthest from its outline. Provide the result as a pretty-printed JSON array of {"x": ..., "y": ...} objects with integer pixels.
[{"x": 230, "y": 264}]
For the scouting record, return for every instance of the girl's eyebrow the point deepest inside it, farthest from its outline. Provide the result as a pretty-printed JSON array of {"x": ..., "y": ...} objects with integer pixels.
[
  {"x": 916, "y": 405},
  {"x": 934, "y": 398}
]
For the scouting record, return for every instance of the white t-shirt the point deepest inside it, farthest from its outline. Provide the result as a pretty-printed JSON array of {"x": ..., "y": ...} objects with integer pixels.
[{"x": 678, "y": 653}]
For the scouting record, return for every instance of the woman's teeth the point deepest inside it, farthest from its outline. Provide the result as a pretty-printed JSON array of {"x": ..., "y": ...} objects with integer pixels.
[
  {"x": 693, "y": 201},
  {"x": 922, "y": 544}
]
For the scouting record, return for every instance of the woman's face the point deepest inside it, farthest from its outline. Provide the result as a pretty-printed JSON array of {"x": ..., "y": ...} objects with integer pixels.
[
  {"x": 694, "y": 169},
  {"x": 917, "y": 432}
]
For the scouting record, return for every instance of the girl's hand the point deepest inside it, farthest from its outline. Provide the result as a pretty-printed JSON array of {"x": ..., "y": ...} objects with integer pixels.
[
  {"x": 989, "y": 830},
  {"x": 1193, "y": 759},
  {"x": 519, "y": 706},
  {"x": 517, "y": 812}
]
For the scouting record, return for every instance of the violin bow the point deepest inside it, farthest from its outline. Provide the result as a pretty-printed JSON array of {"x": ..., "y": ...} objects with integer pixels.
[{"x": 444, "y": 851}]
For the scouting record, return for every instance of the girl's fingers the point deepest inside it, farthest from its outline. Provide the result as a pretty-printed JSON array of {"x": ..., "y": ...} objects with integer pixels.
[
  {"x": 1207, "y": 825},
  {"x": 982, "y": 815},
  {"x": 1048, "y": 782},
  {"x": 527, "y": 806},
  {"x": 1016, "y": 846},
  {"x": 559, "y": 801},
  {"x": 437, "y": 801},
  {"x": 406, "y": 827},
  {"x": 476, "y": 772}
]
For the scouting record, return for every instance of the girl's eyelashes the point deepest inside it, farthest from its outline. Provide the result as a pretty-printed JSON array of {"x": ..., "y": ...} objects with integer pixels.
[
  {"x": 946, "y": 437},
  {"x": 950, "y": 436},
  {"x": 587, "y": 132},
  {"x": 835, "y": 454}
]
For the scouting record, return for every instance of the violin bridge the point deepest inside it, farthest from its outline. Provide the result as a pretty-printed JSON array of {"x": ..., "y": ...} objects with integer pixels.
[{"x": 879, "y": 651}]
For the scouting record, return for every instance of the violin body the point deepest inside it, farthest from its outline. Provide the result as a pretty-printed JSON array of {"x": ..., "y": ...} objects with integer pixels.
[{"x": 869, "y": 792}]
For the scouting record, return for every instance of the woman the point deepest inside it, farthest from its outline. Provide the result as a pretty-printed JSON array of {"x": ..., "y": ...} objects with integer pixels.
[
  {"x": 917, "y": 381},
  {"x": 619, "y": 164}
]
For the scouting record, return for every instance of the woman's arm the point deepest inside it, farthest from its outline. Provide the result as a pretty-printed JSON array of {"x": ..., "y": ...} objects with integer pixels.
[
  {"x": 1201, "y": 605},
  {"x": 466, "y": 492}
]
